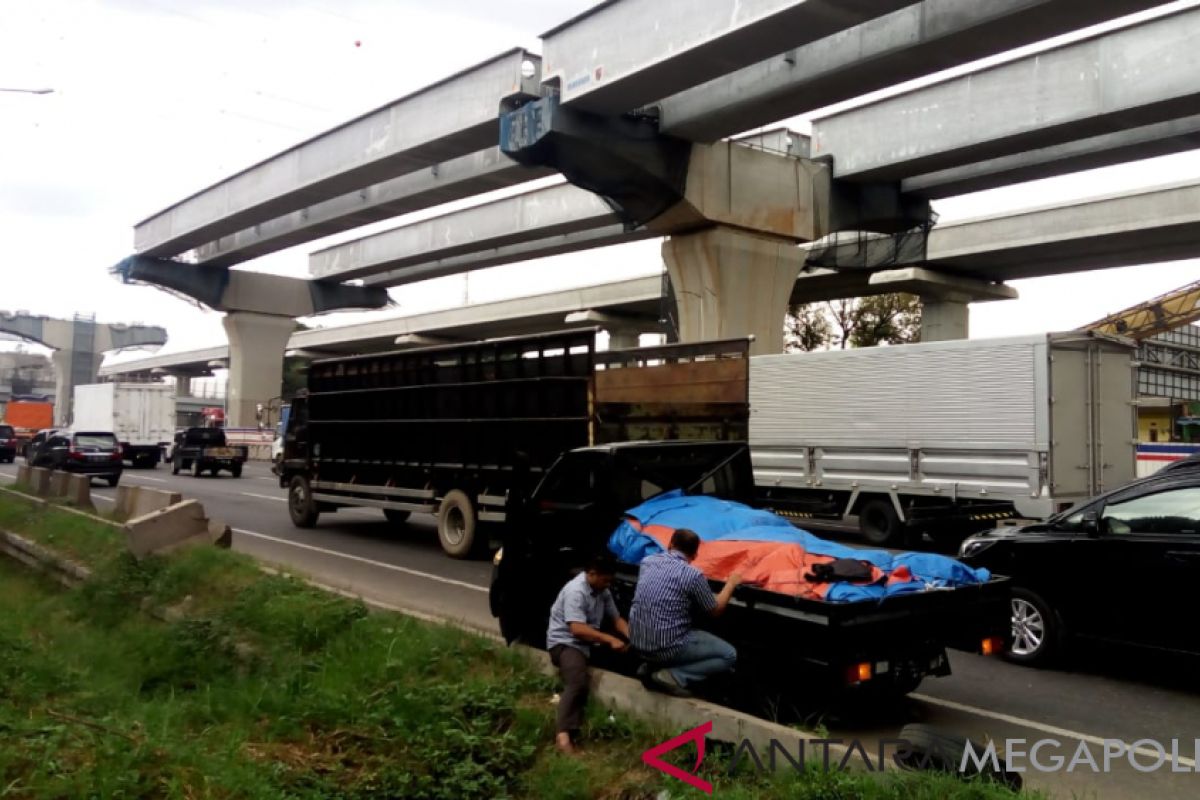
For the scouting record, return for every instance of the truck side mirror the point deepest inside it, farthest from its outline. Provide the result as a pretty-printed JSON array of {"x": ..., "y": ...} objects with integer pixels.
[{"x": 1091, "y": 523}]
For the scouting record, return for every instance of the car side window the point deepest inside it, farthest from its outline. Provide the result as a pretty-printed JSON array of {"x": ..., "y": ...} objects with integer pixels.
[
  {"x": 1171, "y": 511},
  {"x": 59, "y": 441},
  {"x": 573, "y": 482}
]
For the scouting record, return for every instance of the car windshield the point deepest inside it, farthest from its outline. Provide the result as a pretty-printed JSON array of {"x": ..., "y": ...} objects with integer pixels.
[{"x": 97, "y": 440}]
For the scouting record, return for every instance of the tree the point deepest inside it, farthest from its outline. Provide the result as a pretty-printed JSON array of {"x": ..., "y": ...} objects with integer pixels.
[
  {"x": 853, "y": 322},
  {"x": 806, "y": 328}
]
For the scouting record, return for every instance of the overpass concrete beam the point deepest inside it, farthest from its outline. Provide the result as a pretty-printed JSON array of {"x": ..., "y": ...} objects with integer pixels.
[
  {"x": 1130, "y": 77},
  {"x": 601, "y": 65},
  {"x": 449, "y": 119},
  {"x": 934, "y": 285},
  {"x": 916, "y": 40},
  {"x": 459, "y": 178},
  {"x": 730, "y": 284}
]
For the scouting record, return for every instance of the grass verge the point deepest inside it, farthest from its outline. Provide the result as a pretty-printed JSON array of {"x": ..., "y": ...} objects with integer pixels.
[{"x": 267, "y": 688}]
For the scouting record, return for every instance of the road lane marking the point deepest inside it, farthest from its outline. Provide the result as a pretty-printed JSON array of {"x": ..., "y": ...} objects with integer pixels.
[
  {"x": 1039, "y": 726},
  {"x": 264, "y": 496},
  {"x": 428, "y": 575},
  {"x": 144, "y": 478}
]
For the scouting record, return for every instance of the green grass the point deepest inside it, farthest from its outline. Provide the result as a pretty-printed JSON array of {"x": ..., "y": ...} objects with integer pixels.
[
  {"x": 268, "y": 688},
  {"x": 71, "y": 535}
]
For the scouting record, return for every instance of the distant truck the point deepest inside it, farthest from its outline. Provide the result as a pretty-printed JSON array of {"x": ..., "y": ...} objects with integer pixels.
[
  {"x": 466, "y": 431},
  {"x": 140, "y": 415},
  {"x": 201, "y": 450},
  {"x": 27, "y": 417},
  {"x": 944, "y": 438}
]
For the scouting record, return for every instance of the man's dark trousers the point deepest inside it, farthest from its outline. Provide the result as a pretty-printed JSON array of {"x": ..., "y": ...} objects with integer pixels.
[{"x": 573, "y": 667}]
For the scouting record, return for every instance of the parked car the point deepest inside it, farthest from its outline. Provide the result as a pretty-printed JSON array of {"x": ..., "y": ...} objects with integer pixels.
[
  {"x": 95, "y": 453},
  {"x": 8, "y": 444},
  {"x": 1120, "y": 567}
]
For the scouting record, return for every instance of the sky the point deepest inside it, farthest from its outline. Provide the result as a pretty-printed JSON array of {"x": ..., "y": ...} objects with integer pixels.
[{"x": 155, "y": 99}]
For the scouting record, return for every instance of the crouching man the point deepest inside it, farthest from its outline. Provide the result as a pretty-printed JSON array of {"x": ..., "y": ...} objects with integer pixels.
[
  {"x": 583, "y": 608},
  {"x": 670, "y": 592}
]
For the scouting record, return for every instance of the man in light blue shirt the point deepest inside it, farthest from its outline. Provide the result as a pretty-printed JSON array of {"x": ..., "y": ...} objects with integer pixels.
[{"x": 584, "y": 606}]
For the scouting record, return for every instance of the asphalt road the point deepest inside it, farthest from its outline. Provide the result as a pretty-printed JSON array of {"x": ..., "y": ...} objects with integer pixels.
[{"x": 1105, "y": 696}]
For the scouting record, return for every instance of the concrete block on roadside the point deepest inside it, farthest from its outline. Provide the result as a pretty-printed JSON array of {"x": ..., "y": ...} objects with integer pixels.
[
  {"x": 39, "y": 481},
  {"x": 79, "y": 492},
  {"x": 137, "y": 501},
  {"x": 23, "y": 475},
  {"x": 179, "y": 525},
  {"x": 58, "y": 483}
]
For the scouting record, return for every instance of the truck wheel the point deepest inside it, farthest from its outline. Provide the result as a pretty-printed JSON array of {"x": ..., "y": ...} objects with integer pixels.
[
  {"x": 456, "y": 524},
  {"x": 236, "y": 470},
  {"x": 175, "y": 466},
  {"x": 301, "y": 506},
  {"x": 197, "y": 471},
  {"x": 879, "y": 522},
  {"x": 1037, "y": 631},
  {"x": 395, "y": 516}
]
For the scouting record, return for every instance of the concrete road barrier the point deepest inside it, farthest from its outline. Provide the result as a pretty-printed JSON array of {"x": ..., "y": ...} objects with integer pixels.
[
  {"x": 23, "y": 475},
  {"x": 58, "y": 483},
  {"x": 176, "y": 526},
  {"x": 39, "y": 481},
  {"x": 137, "y": 501},
  {"x": 79, "y": 492}
]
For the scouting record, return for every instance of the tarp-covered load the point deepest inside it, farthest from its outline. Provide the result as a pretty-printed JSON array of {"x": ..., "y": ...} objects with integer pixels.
[{"x": 770, "y": 553}]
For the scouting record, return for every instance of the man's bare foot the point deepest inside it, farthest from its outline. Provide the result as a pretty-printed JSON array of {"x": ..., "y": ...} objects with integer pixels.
[{"x": 563, "y": 743}]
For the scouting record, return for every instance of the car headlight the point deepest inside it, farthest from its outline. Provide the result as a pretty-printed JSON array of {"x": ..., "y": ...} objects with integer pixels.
[{"x": 973, "y": 547}]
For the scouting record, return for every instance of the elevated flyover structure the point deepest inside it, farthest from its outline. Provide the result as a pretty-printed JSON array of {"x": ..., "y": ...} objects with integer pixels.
[
  {"x": 624, "y": 308},
  {"x": 78, "y": 345},
  {"x": 632, "y": 103}
]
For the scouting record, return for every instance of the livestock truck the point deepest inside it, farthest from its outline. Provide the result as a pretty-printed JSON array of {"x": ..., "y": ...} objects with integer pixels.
[
  {"x": 140, "y": 415},
  {"x": 943, "y": 438},
  {"x": 463, "y": 431}
]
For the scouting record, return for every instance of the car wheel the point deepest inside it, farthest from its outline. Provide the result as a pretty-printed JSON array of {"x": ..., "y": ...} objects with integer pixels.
[
  {"x": 395, "y": 516},
  {"x": 113, "y": 480},
  {"x": 197, "y": 470},
  {"x": 879, "y": 522},
  {"x": 301, "y": 506},
  {"x": 175, "y": 467},
  {"x": 456, "y": 524},
  {"x": 1036, "y": 629}
]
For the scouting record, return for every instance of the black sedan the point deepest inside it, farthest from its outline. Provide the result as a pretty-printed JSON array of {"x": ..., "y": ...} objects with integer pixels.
[{"x": 1121, "y": 567}]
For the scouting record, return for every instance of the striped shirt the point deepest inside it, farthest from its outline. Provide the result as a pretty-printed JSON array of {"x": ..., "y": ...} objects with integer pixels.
[
  {"x": 579, "y": 602},
  {"x": 668, "y": 590}
]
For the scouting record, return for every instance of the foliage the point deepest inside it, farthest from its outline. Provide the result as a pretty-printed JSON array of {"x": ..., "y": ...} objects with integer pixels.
[{"x": 853, "y": 322}]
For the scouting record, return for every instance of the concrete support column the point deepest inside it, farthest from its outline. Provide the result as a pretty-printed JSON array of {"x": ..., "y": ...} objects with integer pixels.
[
  {"x": 257, "y": 343},
  {"x": 944, "y": 320},
  {"x": 730, "y": 284},
  {"x": 71, "y": 368},
  {"x": 623, "y": 338}
]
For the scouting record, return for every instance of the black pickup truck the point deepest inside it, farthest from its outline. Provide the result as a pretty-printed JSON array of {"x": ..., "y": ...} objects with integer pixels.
[
  {"x": 878, "y": 648},
  {"x": 205, "y": 450}
]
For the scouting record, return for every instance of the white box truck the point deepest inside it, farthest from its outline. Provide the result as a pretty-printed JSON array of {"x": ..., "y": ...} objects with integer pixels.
[
  {"x": 943, "y": 438},
  {"x": 141, "y": 415}
]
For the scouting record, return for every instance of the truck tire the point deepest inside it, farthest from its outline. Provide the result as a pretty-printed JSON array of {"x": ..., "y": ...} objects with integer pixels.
[
  {"x": 456, "y": 524},
  {"x": 301, "y": 506},
  {"x": 1037, "y": 634},
  {"x": 176, "y": 466},
  {"x": 236, "y": 470},
  {"x": 879, "y": 522},
  {"x": 395, "y": 516},
  {"x": 197, "y": 470}
]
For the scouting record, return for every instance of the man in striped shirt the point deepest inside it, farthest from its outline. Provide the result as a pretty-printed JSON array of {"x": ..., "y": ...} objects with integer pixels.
[{"x": 669, "y": 591}]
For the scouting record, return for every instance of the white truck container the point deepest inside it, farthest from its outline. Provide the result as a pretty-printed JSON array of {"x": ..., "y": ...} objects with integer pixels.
[
  {"x": 141, "y": 415},
  {"x": 943, "y": 438}
]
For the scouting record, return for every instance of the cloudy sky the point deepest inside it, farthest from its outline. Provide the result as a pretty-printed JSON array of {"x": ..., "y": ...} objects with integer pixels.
[{"x": 154, "y": 99}]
